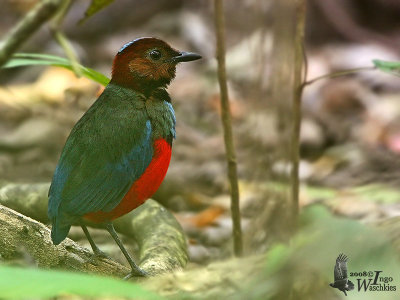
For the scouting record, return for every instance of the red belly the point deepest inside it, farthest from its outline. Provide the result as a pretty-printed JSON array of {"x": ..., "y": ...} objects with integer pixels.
[{"x": 143, "y": 188}]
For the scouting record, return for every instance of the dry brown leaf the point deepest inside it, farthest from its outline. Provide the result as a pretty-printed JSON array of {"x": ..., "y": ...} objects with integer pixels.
[{"x": 203, "y": 219}]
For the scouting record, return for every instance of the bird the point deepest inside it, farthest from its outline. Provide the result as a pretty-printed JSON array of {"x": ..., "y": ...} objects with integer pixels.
[
  {"x": 341, "y": 281},
  {"x": 119, "y": 151}
]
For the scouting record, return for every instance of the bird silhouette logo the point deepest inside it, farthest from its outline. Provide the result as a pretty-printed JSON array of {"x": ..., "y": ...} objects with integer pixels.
[{"x": 341, "y": 282}]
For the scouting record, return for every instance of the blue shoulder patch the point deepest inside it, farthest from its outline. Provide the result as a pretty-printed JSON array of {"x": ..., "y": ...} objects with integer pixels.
[{"x": 171, "y": 109}]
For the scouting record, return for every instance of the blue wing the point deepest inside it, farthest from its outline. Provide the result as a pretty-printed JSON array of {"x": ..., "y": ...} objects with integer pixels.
[{"x": 108, "y": 149}]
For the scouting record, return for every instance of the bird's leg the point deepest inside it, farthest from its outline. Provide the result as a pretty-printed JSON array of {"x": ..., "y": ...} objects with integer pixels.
[
  {"x": 136, "y": 271},
  {"x": 95, "y": 249},
  {"x": 345, "y": 293}
]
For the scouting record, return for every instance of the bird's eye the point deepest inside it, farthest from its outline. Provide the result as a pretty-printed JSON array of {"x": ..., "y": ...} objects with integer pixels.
[{"x": 155, "y": 55}]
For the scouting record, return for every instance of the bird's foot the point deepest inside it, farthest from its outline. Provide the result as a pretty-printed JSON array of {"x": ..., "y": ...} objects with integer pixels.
[
  {"x": 100, "y": 254},
  {"x": 138, "y": 272}
]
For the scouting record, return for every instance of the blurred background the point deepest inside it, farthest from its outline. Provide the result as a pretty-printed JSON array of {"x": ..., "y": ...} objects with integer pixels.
[{"x": 350, "y": 135}]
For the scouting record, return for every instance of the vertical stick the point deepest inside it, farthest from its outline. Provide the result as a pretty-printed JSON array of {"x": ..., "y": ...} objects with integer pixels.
[
  {"x": 300, "y": 7},
  {"x": 62, "y": 40},
  {"x": 227, "y": 126}
]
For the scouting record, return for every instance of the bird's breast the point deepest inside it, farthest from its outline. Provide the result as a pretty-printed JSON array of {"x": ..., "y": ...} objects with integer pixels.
[{"x": 143, "y": 188}]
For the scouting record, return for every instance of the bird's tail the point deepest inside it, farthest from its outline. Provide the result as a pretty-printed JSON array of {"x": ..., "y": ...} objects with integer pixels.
[
  {"x": 350, "y": 285},
  {"x": 58, "y": 231}
]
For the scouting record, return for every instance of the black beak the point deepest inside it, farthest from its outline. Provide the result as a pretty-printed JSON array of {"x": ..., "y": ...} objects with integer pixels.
[{"x": 186, "y": 56}]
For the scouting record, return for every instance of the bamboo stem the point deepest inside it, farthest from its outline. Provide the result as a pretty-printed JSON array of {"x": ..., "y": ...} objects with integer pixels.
[{"x": 227, "y": 127}]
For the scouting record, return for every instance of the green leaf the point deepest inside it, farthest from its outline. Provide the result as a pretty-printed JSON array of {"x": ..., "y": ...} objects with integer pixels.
[
  {"x": 18, "y": 283},
  {"x": 26, "y": 59},
  {"x": 391, "y": 67},
  {"x": 31, "y": 59},
  {"x": 94, "y": 8}
]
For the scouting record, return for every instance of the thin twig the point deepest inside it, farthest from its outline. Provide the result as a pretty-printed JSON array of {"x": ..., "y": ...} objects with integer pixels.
[
  {"x": 338, "y": 74},
  {"x": 42, "y": 12},
  {"x": 227, "y": 126},
  {"x": 69, "y": 51},
  {"x": 62, "y": 40},
  {"x": 299, "y": 85},
  {"x": 296, "y": 110},
  {"x": 305, "y": 61}
]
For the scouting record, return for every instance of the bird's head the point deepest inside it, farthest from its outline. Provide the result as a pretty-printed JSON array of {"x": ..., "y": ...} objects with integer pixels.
[{"x": 147, "y": 63}]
